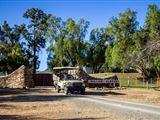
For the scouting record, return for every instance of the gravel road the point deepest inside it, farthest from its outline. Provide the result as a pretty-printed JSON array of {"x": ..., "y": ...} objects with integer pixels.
[{"x": 122, "y": 109}]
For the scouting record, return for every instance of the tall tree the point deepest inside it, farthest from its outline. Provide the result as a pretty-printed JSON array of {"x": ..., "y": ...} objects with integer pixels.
[
  {"x": 152, "y": 22},
  {"x": 148, "y": 38},
  {"x": 122, "y": 29},
  {"x": 98, "y": 44},
  {"x": 13, "y": 54},
  {"x": 35, "y": 32},
  {"x": 67, "y": 46}
]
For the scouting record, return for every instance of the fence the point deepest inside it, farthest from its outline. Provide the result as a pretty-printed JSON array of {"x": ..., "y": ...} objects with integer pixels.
[
  {"x": 131, "y": 80},
  {"x": 139, "y": 82}
]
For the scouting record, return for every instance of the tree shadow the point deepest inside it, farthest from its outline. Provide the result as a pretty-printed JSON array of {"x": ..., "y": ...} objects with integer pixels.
[
  {"x": 41, "y": 90},
  {"x": 5, "y": 106},
  {"x": 22, "y": 95},
  {"x": 9, "y": 91},
  {"x": 101, "y": 93},
  {"x": 19, "y": 117},
  {"x": 36, "y": 98},
  {"x": 156, "y": 88},
  {"x": 30, "y": 95},
  {"x": 83, "y": 118}
]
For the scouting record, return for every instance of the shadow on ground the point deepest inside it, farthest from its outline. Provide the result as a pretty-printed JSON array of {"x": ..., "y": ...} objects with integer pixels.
[
  {"x": 89, "y": 118},
  {"x": 157, "y": 88},
  {"x": 35, "y": 95},
  {"x": 18, "y": 117},
  {"x": 36, "y": 98},
  {"x": 5, "y": 106},
  {"x": 103, "y": 93},
  {"x": 30, "y": 95},
  {"x": 13, "y": 91},
  {"x": 9, "y": 91}
]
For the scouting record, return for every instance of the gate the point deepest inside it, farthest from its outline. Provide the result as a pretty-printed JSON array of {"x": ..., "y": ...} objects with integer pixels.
[{"x": 43, "y": 79}]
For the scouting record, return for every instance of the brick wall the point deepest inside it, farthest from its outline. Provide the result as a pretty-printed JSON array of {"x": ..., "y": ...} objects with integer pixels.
[{"x": 20, "y": 78}]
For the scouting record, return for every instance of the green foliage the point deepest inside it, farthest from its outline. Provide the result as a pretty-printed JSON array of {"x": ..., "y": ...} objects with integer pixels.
[
  {"x": 35, "y": 32},
  {"x": 67, "y": 46},
  {"x": 97, "y": 47},
  {"x": 108, "y": 59},
  {"x": 148, "y": 45},
  {"x": 156, "y": 62},
  {"x": 12, "y": 52},
  {"x": 152, "y": 23},
  {"x": 120, "y": 45},
  {"x": 122, "y": 29}
]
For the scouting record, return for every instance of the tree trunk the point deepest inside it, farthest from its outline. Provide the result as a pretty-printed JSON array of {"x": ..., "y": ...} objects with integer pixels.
[{"x": 35, "y": 59}]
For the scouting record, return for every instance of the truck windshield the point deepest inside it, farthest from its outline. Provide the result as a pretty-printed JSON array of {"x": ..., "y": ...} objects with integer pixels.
[
  {"x": 67, "y": 77},
  {"x": 70, "y": 77}
]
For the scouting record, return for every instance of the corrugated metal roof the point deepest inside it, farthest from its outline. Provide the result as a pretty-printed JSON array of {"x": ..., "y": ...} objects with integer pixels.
[
  {"x": 44, "y": 72},
  {"x": 65, "y": 68}
]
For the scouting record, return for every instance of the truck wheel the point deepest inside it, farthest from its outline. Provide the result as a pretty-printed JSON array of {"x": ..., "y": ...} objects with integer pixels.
[
  {"x": 82, "y": 92},
  {"x": 66, "y": 91},
  {"x": 71, "y": 92},
  {"x": 58, "y": 89}
]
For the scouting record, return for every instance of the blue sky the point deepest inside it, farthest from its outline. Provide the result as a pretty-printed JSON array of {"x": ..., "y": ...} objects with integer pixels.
[{"x": 97, "y": 12}]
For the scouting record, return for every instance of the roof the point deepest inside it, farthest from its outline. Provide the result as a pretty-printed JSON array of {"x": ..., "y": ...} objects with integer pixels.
[
  {"x": 44, "y": 72},
  {"x": 65, "y": 68}
]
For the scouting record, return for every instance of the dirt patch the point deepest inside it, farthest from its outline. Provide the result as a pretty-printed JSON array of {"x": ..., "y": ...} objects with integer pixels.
[
  {"x": 45, "y": 104},
  {"x": 132, "y": 94}
]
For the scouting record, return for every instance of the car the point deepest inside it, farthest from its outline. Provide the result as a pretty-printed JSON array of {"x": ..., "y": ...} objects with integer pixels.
[{"x": 66, "y": 81}]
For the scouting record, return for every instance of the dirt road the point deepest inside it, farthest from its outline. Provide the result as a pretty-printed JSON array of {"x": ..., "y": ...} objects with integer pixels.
[
  {"x": 123, "y": 109},
  {"x": 47, "y": 104}
]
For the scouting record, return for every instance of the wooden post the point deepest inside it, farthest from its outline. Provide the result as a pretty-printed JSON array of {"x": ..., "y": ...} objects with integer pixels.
[
  {"x": 147, "y": 85},
  {"x": 136, "y": 82},
  {"x": 157, "y": 85},
  {"x": 128, "y": 83},
  {"x": 151, "y": 83},
  {"x": 143, "y": 82}
]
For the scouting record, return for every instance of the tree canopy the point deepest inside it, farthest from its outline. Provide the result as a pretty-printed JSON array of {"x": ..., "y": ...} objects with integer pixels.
[
  {"x": 35, "y": 32},
  {"x": 120, "y": 46},
  {"x": 67, "y": 45}
]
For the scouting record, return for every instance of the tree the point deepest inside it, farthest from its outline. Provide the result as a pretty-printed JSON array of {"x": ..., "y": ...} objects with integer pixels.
[
  {"x": 96, "y": 52},
  {"x": 147, "y": 59},
  {"x": 35, "y": 32},
  {"x": 67, "y": 46},
  {"x": 152, "y": 22},
  {"x": 13, "y": 54},
  {"x": 122, "y": 29},
  {"x": 108, "y": 59}
]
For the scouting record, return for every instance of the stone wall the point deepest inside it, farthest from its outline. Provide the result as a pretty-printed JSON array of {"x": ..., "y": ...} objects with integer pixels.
[
  {"x": 20, "y": 78},
  {"x": 29, "y": 82}
]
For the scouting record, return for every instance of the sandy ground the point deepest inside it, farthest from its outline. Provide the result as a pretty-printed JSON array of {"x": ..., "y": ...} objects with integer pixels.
[
  {"x": 45, "y": 104},
  {"x": 133, "y": 94}
]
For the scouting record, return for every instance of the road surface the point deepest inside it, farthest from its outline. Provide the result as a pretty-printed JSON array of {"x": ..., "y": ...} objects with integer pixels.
[{"x": 121, "y": 108}]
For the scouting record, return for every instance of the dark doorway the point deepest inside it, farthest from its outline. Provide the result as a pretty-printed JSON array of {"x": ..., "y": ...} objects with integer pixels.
[{"x": 43, "y": 79}]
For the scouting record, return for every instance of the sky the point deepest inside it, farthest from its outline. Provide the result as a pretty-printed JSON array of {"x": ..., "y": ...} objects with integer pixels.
[{"x": 97, "y": 12}]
